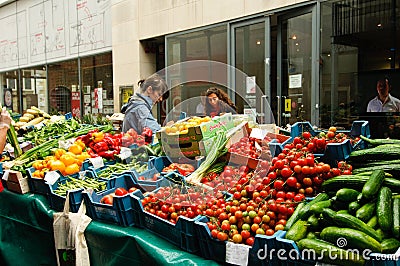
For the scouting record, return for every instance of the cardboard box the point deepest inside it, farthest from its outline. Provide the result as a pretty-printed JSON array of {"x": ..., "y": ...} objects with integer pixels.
[
  {"x": 16, "y": 182},
  {"x": 203, "y": 131}
]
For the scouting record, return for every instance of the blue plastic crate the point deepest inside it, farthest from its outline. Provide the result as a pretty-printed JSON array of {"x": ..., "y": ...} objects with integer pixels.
[
  {"x": 148, "y": 184},
  {"x": 120, "y": 212},
  {"x": 57, "y": 201},
  {"x": 181, "y": 234},
  {"x": 334, "y": 152},
  {"x": 214, "y": 249},
  {"x": 159, "y": 163},
  {"x": 37, "y": 185}
]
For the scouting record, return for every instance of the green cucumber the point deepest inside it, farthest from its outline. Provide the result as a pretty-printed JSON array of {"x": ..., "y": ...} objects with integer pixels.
[
  {"x": 349, "y": 221},
  {"x": 377, "y": 142},
  {"x": 356, "y": 182},
  {"x": 396, "y": 218},
  {"x": 390, "y": 245},
  {"x": 304, "y": 213},
  {"x": 353, "y": 207},
  {"x": 353, "y": 238},
  {"x": 294, "y": 217},
  {"x": 311, "y": 235},
  {"x": 373, "y": 222},
  {"x": 374, "y": 183},
  {"x": 366, "y": 211},
  {"x": 313, "y": 222},
  {"x": 370, "y": 173},
  {"x": 347, "y": 194},
  {"x": 297, "y": 231},
  {"x": 328, "y": 216},
  {"x": 317, "y": 207},
  {"x": 384, "y": 235},
  {"x": 343, "y": 212},
  {"x": 321, "y": 247},
  {"x": 384, "y": 209}
]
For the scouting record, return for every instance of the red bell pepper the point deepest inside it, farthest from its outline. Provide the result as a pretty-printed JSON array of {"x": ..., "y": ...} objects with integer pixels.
[
  {"x": 99, "y": 146},
  {"x": 109, "y": 155},
  {"x": 148, "y": 135},
  {"x": 140, "y": 141},
  {"x": 91, "y": 153}
]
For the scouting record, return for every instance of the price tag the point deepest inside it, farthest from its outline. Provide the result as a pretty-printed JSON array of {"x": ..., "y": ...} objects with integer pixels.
[
  {"x": 5, "y": 175},
  {"x": 97, "y": 162},
  {"x": 125, "y": 153},
  {"x": 237, "y": 254},
  {"x": 258, "y": 133},
  {"x": 51, "y": 177},
  {"x": 82, "y": 175}
]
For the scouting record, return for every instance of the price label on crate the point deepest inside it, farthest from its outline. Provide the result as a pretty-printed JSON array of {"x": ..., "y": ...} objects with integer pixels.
[
  {"x": 51, "y": 177},
  {"x": 5, "y": 175},
  {"x": 97, "y": 162},
  {"x": 82, "y": 175},
  {"x": 125, "y": 153},
  {"x": 237, "y": 254}
]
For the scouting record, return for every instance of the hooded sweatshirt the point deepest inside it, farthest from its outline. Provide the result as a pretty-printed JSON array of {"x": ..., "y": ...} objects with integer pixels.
[{"x": 138, "y": 114}]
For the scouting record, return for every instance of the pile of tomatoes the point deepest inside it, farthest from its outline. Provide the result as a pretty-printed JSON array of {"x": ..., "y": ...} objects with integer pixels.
[
  {"x": 171, "y": 202},
  {"x": 252, "y": 148},
  {"x": 317, "y": 144}
]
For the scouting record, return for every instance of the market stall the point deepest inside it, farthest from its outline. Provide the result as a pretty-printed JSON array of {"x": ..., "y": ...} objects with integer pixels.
[{"x": 205, "y": 190}]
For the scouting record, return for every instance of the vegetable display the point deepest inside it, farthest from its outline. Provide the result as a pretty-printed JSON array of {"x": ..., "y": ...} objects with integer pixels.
[{"x": 294, "y": 195}]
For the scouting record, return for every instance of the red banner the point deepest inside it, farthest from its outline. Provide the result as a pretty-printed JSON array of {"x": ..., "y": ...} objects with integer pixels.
[{"x": 76, "y": 104}]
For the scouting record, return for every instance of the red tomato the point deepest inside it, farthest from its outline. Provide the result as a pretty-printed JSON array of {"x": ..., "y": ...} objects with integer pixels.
[
  {"x": 121, "y": 191},
  {"x": 306, "y": 135},
  {"x": 107, "y": 199}
]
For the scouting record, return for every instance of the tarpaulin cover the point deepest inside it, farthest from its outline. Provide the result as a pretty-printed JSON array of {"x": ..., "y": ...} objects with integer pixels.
[{"x": 26, "y": 238}]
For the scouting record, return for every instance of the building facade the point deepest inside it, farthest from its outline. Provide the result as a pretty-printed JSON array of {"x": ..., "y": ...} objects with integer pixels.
[{"x": 317, "y": 61}]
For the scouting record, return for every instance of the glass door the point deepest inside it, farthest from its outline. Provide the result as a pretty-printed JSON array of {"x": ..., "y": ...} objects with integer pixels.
[
  {"x": 250, "y": 55},
  {"x": 295, "y": 96}
]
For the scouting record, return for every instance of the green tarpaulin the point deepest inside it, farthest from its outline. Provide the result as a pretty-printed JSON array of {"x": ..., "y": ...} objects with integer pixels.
[{"x": 26, "y": 238}]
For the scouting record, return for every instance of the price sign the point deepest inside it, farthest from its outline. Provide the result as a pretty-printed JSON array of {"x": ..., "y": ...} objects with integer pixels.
[
  {"x": 51, "y": 177},
  {"x": 97, "y": 162},
  {"x": 5, "y": 175},
  {"x": 237, "y": 254},
  {"x": 125, "y": 153}
]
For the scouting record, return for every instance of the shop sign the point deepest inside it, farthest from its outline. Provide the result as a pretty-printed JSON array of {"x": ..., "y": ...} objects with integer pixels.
[{"x": 76, "y": 103}]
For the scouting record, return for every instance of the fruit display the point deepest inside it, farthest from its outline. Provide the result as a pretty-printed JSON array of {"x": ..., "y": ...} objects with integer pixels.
[{"x": 182, "y": 127}]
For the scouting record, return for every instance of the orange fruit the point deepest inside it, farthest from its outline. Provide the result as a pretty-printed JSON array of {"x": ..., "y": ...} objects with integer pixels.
[
  {"x": 80, "y": 143},
  {"x": 67, "y": 159},
  {"x": 59, "y": 152},
  {"x": 72, "y": 169},
  {"x": 75, "y": 149},
  {"x": 38, "y": 165},
  {"x": 57, "y": 165}
]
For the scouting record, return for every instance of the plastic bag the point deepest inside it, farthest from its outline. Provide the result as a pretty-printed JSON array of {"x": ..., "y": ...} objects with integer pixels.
[{"x": 69, "y": 237}]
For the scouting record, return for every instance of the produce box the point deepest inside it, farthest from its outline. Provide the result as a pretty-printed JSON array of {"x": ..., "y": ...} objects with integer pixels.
[
  {"x": 197, "y": 133},
  {"x": 180, "y": 234},
  {"x": 297, "y": 257},
  {"x": 189, "y": 150},
  {"x": 148, "y": 181},
  {"x": 334, "y": 151},
  {"x": 214, "y": 249},
  {"x": 16, "y": 182},
  {"x": 57, "y": 202},
  {"x": 120, "y": 212}
]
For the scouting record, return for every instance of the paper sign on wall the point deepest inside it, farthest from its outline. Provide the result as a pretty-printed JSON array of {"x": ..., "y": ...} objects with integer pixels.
[
  {"x": 251, "y": 84},
  {"x": 295, "y": 81}
]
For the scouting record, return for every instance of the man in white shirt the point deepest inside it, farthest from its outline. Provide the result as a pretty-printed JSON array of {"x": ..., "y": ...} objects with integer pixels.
[{"x": 384, "y": 102}]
